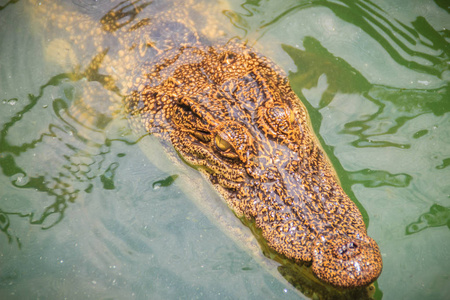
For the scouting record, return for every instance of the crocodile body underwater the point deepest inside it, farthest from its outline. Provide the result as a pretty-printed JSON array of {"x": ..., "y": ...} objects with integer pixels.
[{"x": 230, "y": 113}]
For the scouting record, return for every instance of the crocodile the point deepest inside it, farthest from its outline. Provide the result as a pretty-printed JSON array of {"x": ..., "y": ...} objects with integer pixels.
[{"x": 230, "y": 113}]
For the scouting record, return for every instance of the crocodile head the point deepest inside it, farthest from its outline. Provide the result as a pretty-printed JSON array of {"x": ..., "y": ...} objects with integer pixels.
[{"x": 231, "y": 114}]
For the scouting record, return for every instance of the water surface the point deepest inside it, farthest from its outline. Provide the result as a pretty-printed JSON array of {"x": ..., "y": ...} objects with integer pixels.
[{"x": 85, "y": 213}]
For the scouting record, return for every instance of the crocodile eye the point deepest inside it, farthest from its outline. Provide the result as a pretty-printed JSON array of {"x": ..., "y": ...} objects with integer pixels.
[
  {"x": 225, "y": 148},
  {"x": 221, "y": 144}
]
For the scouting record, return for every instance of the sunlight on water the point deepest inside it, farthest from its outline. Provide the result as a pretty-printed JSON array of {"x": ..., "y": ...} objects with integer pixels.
[
  {"x": 85, "y": 212},
  {"x": 376, "y": 77}
]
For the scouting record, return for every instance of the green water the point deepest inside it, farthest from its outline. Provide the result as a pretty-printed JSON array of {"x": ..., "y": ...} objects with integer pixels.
[{"x": 85, "y": 214}]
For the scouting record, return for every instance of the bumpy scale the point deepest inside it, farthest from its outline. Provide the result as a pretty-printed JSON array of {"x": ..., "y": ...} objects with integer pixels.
[{"x": 231, "y": 113}]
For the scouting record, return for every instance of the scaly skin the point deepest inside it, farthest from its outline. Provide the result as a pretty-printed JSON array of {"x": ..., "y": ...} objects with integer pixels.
[{"x": 230, "y": 113}]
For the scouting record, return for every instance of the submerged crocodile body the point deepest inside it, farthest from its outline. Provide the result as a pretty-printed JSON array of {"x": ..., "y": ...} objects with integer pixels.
[{"x": 230, "y": 113}]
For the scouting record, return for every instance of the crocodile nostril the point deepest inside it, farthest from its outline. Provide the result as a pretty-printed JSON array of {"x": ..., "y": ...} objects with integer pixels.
[
  {"x": 342, "y": 250},
  {"x": 352, "y": 245},
  {"x": 349, "y": 247}
]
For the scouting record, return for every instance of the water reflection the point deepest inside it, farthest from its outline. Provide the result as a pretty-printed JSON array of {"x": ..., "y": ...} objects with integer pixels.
[
  {"x": 372, "y": 178},
  {"x": 59, "y": 159},
  {"x": 378, "y": 92},
  {"x": 443, "y": 4},
  {"x": 8, "y": 3},
  {"x": 436, "y": 217},
  {"x": 315, "y": 62},
  {"x": 70, "y": 154},
  {"x": 61, "y": 154},
  {"x": 164, "y": 182},
  {"x": 397, "y": 38}
]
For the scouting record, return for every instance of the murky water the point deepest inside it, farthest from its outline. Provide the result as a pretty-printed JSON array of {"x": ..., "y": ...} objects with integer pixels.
[{"x": 84, "y": 212}]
